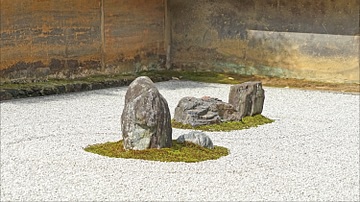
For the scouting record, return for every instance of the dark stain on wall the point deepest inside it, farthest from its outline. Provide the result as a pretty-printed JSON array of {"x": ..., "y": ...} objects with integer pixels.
[
  {"x": 41, "y": 39},
  {"x": 56, "y": 68},
  {"x": 228, "y": 24}
]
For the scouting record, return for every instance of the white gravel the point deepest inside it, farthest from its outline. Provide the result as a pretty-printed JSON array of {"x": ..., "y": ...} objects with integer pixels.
[{"x": 311, "y": 151}]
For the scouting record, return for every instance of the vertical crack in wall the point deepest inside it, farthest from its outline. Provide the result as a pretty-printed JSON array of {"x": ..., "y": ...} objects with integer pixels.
[
  {"x": 167, "y": 33},
  {"x": 102, "y": 30}
]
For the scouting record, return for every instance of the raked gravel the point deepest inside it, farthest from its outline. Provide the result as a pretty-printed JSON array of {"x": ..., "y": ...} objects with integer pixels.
[{"x": 310, "y": 152}]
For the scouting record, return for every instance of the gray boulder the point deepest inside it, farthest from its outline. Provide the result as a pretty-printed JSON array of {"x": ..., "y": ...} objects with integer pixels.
[
  {"x": 247, "y": 98},
  {"x": 196, "y": 137},
  {"x": 203, "y": 111},
  {"x": 145, "y": 121}
]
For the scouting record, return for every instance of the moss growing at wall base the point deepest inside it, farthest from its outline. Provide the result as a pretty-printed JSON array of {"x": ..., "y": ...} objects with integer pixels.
[
  {"x": 58, "y": 86},
  {"x": 187, "y": 152},
  {"x": 234, "y": 78},
  {"x": 208, "y": 77}
]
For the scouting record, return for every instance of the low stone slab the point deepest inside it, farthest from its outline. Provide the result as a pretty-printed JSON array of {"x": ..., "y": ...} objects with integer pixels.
[
  {"x": 203, "y": 111},
  {"x": 145, "y": 121},
  {"x": 196, "y": 137},
  {"x": 247, "y": 98}
]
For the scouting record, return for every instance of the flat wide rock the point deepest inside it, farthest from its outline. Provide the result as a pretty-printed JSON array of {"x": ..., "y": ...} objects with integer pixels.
[
  {"x": 145, "y": 121},
  {"x": 203, "y": 111}
]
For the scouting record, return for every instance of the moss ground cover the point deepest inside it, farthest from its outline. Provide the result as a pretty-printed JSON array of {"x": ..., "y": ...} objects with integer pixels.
[
  {"x": 246, "y": 122},
  {"x": 187, "y": 152}
]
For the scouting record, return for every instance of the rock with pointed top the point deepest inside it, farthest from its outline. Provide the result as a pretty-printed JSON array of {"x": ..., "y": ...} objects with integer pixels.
[{"x": 145, "y": 121}]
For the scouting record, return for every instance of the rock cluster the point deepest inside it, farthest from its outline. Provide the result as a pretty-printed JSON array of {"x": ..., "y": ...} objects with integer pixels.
[
  {"x": 245, "y": 99},
  {"x": 145, "y": 121}
]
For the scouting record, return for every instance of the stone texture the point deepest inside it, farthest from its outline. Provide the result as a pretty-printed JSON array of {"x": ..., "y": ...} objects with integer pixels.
[
  {"x": 247, "y": 98},
  {"x": 204, "y": 111},
  {"x": 145, "y": 121},
  {"x": 198, "y": 138}
]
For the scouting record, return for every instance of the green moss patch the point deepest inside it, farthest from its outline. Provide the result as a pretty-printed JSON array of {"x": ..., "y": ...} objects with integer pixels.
[
  {"x": 19, "y": 89},
  {"x": 246, "y": 122},
  {"x": 187, "y": 152},
  {"x": 233, "y": 78}
]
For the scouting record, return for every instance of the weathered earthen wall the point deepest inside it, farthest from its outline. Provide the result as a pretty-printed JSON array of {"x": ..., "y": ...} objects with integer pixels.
[
  {"x": 316, "y": 40},
  {"x": 65, "y": 39},
  {"x": 308, "y": 39},
  {"x": 49, "y": 38},
  {"x": 134, "y": 35}
]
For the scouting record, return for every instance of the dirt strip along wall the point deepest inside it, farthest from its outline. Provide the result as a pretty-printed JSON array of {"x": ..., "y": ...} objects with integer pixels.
[
  {"x": 65, "y": 39},
  {"x": 304, "y": 39}
]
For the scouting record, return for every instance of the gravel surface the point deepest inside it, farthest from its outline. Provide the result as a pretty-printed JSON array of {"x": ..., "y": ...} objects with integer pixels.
[{"x": 310, "y": 152}]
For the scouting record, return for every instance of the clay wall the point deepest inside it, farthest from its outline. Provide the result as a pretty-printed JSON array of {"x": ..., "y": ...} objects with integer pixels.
[
  {"x": 67, "y": 38},
  {"x": 305, "y": 39},
  {"x": 134, "y": 35}
]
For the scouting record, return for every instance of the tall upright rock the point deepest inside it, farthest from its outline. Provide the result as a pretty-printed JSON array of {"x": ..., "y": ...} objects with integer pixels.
[
  {"x": 247, "y": 98},
  {"x": 146, "y": 120}
]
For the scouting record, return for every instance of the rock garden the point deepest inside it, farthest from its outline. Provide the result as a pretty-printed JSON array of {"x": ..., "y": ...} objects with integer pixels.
[{"x": 147, "y": 126}]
